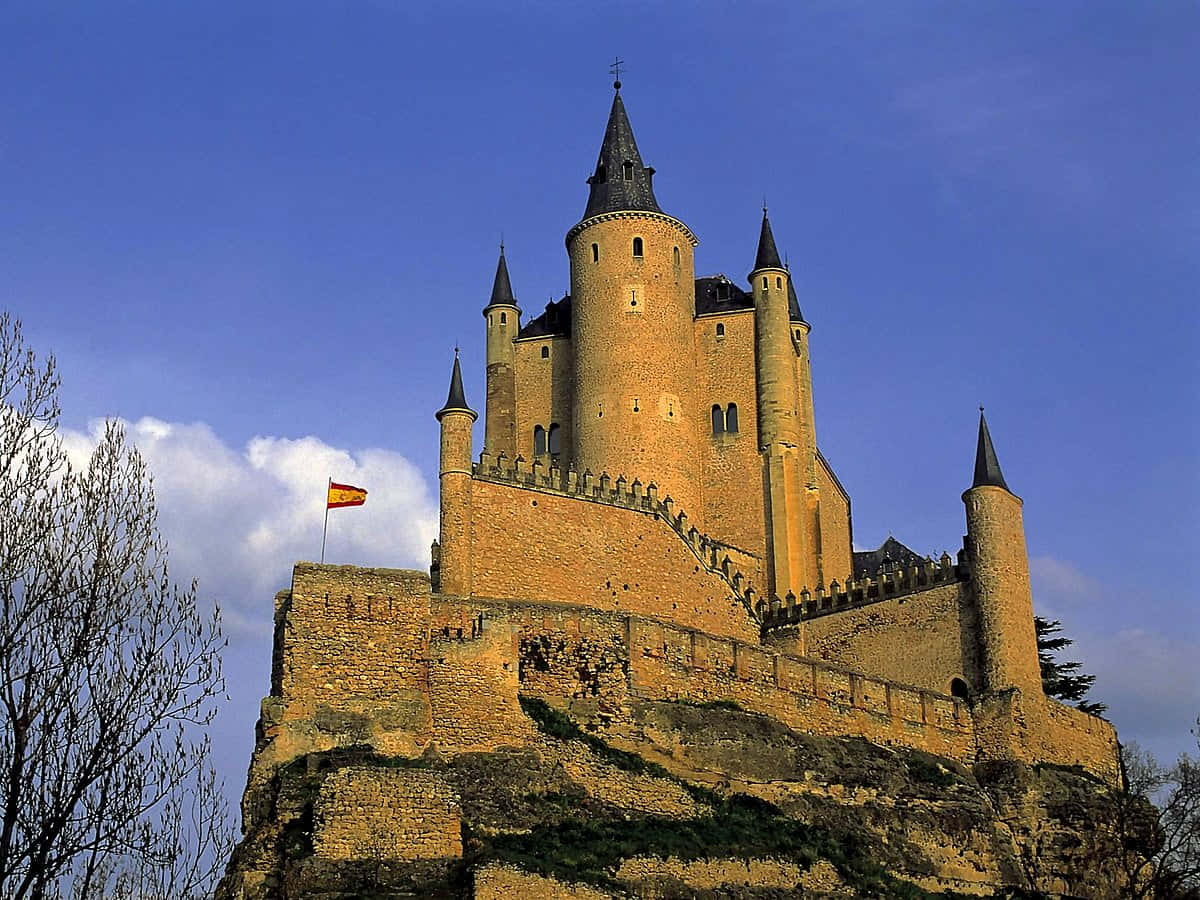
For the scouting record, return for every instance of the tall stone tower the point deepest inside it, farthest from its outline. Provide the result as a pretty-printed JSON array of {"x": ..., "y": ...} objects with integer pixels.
[
  {"x": 999, "y": 567},
  {"x": 454, "y": 477},
  {"x": 633, "y": 297},
  {"x": 503, "y": 318}
]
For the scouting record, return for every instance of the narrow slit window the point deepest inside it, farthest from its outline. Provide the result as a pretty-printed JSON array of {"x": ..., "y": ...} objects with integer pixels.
[
  {"x": 627, "y": 170},
  {"x": 718, "y": 419},
  {"x": 539, "y": 440},
  {"x": 676, "y": 254},
  {"x": 637, "y": 248},
  {"x": 720, "y": 329},
  {"x": 503, "y": 318},
  {"x": 779, "y": 283},
  {"x": 554, "y": 439},
  {"x": 595, "y": 253},
  {"x": 764, "y": 282},
  {"x": 731, "y": 418},
  {"x": 545, "y": 353}
]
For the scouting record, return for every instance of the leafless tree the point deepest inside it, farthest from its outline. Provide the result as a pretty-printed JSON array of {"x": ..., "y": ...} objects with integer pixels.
[
  {"x": 1157, "y": 823},
  {"x": 108, "y": 672}
]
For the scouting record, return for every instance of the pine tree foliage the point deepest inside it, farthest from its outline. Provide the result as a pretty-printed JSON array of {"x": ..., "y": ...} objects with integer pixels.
[{"x": 1062, "y": 680}]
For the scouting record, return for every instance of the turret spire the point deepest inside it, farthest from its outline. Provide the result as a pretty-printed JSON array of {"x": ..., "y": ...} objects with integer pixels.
[
  {"x": 620, "y": 181},
  {"x": 768, "y": 254},
  {"x": 987, "y": 467},
  {"x": 456, "y": 400},
  {"x": 502, "y": 292}
]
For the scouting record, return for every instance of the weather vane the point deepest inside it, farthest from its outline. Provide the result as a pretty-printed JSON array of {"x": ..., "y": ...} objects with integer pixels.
[{"x": 615, "y": 71}]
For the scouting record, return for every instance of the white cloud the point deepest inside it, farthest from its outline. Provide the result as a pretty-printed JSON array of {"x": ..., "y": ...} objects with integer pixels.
[{"x": 239, "y": 519}]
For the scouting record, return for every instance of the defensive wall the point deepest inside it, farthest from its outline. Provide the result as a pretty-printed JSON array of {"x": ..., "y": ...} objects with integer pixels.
[
  {"x": 555, "y": 535},
  {"x": 371, "y": 656}
]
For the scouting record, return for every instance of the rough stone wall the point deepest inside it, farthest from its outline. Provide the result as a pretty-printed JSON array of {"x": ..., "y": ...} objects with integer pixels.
[
  {"x": 837, "y": 563},
  {"x": 637, "y": 407},
  {"x": 924, "y": 639},
  {"x": 545, "y": 392},
  {"x": 473, "y": 689},
  {"x": 673, "y": 664},
  {"x": 365, "y": 812},
  {"x": 706, "y": 874},
  {"x": 497, "y": 882},
  {"x": 1075, "y": 738},
  {"x": 552, "y": 548},
  {"x": 733, "y": 485},
  {"x": 354, "y": 639}
]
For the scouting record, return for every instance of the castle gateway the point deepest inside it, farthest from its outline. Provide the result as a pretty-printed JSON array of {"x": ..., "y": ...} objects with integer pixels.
[{"x": 650, "y": 520}]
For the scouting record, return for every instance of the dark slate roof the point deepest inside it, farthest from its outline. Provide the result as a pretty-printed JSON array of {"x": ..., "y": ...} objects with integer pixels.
[
  {"x": 502, "y": 292},
  {"x": 717, "y": 294},
  {"x": 555, "y": 321},
  {"x": 794, "y": 313},
  {"x": 610, "y": 190},
  {"x": 768, "y": 254},
  {"x": 890, "y": 552},
  {"x": 457, "y": 398},
  {"x": 987, "y": 467}
]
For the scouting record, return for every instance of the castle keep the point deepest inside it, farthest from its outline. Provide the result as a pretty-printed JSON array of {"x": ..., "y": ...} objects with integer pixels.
[{"x": 650, "y": 520}]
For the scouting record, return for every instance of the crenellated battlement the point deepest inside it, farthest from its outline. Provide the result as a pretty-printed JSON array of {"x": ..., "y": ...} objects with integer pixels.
[
  {"x": 886, "y": 584},
  {"x": 716, "y": 557}
]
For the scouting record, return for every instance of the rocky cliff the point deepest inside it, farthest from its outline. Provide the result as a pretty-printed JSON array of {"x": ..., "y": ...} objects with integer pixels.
[{"x": 680, "y": 800}]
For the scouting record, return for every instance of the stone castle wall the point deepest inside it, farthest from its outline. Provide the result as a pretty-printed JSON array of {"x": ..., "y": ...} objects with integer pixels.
[
  {"x": 553, "y": 548},
  {"x": 733, "y": 495},
  {"x": 545, "y": 391},
  {"x": 926, "y": 638}
]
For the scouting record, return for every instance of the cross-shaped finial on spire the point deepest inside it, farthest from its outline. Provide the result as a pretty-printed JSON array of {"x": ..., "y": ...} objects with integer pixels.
[
  {"x": 615, "y": 71},
  {"x": 981, "y": 407}
]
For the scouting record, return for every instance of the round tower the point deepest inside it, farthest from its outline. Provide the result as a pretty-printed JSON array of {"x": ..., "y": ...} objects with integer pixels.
[
  {"x": 999, "y": 566},
  {"x": 503, "y": 321},
  {"x": 454, "y": 476},
  {"x": 632, "y": 309}
]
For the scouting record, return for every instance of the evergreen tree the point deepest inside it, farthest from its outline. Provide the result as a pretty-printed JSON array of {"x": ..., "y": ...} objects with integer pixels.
[{"x": 1062, "y": 680}]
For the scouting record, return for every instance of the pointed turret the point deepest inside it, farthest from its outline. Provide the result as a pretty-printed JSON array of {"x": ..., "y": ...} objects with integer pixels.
[
  {"x": 620, "y": 181},
  {"x": 987, "y": 467},
  {"x": 768, "y": 254},
  {"x": 456, "y": 400},
  {"x": 502, "y": 292},
  {"x": 793, "y": 302}
]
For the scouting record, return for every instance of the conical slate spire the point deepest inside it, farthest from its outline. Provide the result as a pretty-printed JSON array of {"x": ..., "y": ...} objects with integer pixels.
[
  {"x": 794, "y": 313},
  {"x": 456, "y": 400},
  {"x": 502, "y": 293},
  {"x": 620, "y": 181},
  {"x": 987, "y": 467},
  {"x": 768, "y": 254}
]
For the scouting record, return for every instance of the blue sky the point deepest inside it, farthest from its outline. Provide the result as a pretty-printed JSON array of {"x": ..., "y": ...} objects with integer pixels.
[{"x": 256, "y": 231}]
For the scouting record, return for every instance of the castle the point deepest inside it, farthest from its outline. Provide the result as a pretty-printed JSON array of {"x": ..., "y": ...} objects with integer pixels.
[{"x": 651, "y": 518}]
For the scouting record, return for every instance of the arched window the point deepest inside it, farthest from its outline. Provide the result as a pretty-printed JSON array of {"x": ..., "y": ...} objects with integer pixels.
[
  {"x": 595, "y": 253},
  {"x": 627, "y": 170},
  {"x": 554, "y": 439},
  {"x": 539, "y": 440},
  {"x": 731, "y": 423},
  {"x": 637, "y": 248},
  {"x": 503, "y": 318},
  {"x": 779, "y": 283},
  {"x": 720, "y": 329},
  {"x": 545, "y": 353},
  {"x": 798, "y": 334},
  {"x": 764, "y": 282},
  {"x": 959, "y": 689},
  {"x": 676, "y": 256},
  {"x": 718, "y": 419}
]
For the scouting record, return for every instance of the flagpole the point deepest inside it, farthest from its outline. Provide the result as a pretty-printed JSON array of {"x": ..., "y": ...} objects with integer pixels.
[{"x": 325, "y": 530}]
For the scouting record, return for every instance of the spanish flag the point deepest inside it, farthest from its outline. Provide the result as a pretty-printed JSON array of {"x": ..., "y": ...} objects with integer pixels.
[{"x": 345, "y": 495}]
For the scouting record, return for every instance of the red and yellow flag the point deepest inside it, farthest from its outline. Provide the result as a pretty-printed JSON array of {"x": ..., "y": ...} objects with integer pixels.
[{"x": 345, "y": 495}]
